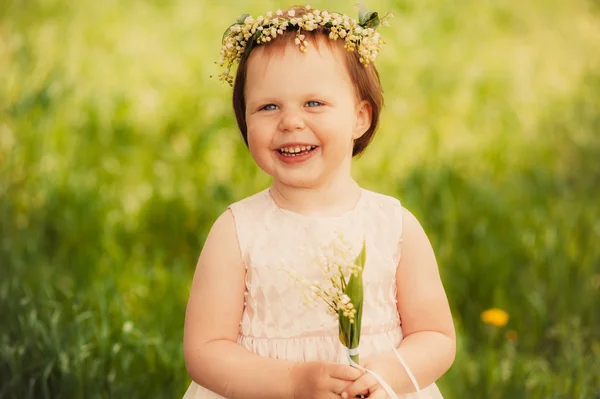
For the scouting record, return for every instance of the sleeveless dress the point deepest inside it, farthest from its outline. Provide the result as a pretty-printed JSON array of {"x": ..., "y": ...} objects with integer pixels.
[{"x": 275, "y": 322}]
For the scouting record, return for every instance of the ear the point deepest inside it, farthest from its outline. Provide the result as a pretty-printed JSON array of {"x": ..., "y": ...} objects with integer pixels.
[{"x": 364, "y": 114}]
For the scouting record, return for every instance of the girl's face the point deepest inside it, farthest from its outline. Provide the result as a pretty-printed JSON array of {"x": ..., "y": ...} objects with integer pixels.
[{"x": 302, "y": 114}]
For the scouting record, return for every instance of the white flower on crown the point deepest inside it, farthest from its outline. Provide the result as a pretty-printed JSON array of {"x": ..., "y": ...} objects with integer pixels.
[{"x": 361, "y": 38}]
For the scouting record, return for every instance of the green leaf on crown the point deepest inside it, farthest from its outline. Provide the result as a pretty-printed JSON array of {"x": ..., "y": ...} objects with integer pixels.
[
  {"x": 239, "y": 21},
  {"x": 366, "y": 18}
]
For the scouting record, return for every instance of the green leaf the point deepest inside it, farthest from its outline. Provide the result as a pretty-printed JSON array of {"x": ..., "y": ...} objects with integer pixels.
[
  {"x": 239, "y": 21},
  {"x": 242, "y": 18},
  {"x": 362, "y": 13},
  {"x": 251, "y": 42},
  {"x": 344, "y": 329},
  {"x": 361, "y": 259},
  {"x": 355, "y": 290},
  {"x": 372, "y": 20},
  {"x": 366, "y": 18},
  {"x": 226, "y": 32}
]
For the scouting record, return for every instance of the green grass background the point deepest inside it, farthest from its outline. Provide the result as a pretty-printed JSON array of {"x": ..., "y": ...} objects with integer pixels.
[{"x": 118, "y": 151}]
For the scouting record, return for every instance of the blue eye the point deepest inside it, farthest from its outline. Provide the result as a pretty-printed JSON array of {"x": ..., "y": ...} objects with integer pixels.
[
  {"x": 269, "y": 107},
  {"x": 313, "y": 104}
]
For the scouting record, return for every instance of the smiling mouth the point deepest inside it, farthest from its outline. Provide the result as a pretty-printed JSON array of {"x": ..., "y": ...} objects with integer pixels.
[{"x": 296, "y": 150}]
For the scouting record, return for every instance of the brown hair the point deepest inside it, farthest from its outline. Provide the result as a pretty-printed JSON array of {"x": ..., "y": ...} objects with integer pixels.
[{"x": 366, "y": 82}]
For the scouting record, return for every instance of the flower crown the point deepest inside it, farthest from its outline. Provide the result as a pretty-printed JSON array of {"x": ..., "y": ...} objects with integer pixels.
[{"x": 239, "y": 39}]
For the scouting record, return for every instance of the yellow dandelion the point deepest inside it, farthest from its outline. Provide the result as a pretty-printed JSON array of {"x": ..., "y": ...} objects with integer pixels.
[{"x": 496, "y": 317}]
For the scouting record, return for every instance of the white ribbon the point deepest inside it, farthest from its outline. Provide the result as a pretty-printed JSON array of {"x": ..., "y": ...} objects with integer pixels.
[
  {"x": 403, "y": 363},
  {"x": 410, "y": 374},
  {"x": 390, "y": 392},
  {"x": 380, "y": 380}
]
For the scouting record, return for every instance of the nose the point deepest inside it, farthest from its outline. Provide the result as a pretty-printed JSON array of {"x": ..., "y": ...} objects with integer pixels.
[{"x": 290, "y": 121}]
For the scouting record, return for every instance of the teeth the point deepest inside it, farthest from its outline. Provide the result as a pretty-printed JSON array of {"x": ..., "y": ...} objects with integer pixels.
[{"x": 295, "y": 150}]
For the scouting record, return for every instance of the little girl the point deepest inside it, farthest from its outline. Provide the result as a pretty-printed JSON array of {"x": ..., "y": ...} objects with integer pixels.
[{"x": 306, "y": 104}]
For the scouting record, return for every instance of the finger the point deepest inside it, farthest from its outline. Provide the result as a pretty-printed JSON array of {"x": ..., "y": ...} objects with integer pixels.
[
  {"x": 343, "y": 372},
  {"x": 363, "y": 394},
  {"x": 337, "y": 386},
  {"x": 378, "y": 394},
  {"x": 364, "y": 383},
  {"x": 345, "y": 395}
]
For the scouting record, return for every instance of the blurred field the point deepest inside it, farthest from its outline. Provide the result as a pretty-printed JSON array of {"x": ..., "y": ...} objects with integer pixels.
[{"x": 117, "y": 152}]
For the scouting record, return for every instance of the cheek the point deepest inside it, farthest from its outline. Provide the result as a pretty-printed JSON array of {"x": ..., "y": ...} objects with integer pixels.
[
  {"x": 260, "y": 129},
  {"x": 251, "y": 131},
  {"x": 256, "y": 140},
  {"x": 252, "y": 143},
  {"x": 333, "y": 127}
]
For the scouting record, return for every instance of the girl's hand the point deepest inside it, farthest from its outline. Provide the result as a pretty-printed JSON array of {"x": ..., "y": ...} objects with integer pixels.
[
  {"x": 367, "y": 384},
  {"x": 321, "y": 380}
]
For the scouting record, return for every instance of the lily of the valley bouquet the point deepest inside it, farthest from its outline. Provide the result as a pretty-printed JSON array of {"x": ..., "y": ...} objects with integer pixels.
[{"x": 342, "y": 289}]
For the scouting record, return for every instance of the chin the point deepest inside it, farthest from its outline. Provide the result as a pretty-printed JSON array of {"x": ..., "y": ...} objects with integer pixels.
[{"x": 302, "y": 182}]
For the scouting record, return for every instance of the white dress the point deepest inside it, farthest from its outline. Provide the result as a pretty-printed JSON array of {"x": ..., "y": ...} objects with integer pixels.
[{"x": 275, "y": 321}]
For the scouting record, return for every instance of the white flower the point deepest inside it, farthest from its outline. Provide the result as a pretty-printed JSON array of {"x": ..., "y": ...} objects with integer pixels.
[
  {"x": 365, "y": 42},
  {"x": 345, "y": 299}
]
